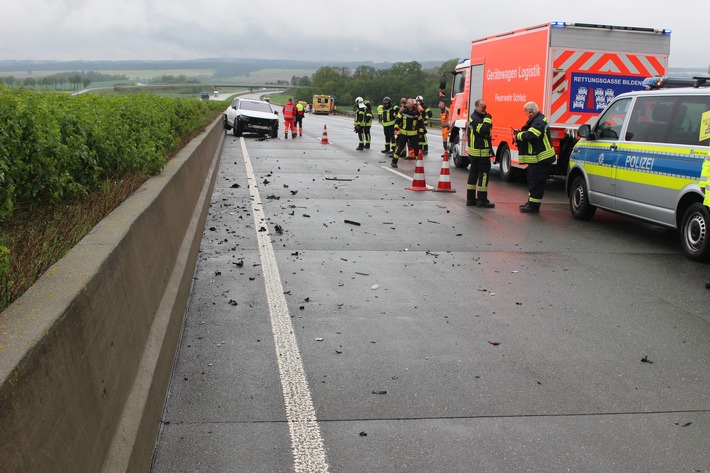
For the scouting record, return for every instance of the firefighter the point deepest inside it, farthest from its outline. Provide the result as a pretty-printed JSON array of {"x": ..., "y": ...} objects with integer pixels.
[
  {"x": 389, "y": 114},
  {"x": 360, "y": 122},
  {"x": 289, "y": 112},
  {"x": 535, "y": 149},
  {"x": 410, "y": 126},
  {"x": 300, "y": 112},
  {"x": 479, "y": 151},
  {"x": 426, "y": 115},
  {"x": 367, "y": 126},
  {"x": 444, "y": 117},
  {"x": 704, "y": 179}
]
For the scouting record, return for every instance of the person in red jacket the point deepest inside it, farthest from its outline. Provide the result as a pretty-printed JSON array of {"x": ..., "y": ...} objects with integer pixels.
[{"x": 289, "y": 112}]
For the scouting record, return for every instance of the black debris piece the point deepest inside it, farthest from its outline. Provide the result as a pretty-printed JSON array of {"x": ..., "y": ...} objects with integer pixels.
[
  {"x": 363, "y": 434},
  {"x": 352, "y": 222},
  {"x": 279, "y": 230},
  {"x": 646, "y": 360},
  {"x": 235, "y": 186},
  {"x": 232, "y": 302},
  {"x": 379, "y": 392}
]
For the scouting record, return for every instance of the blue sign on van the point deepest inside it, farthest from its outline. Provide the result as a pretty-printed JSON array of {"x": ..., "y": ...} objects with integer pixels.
[{"x": 590, "y": 93}]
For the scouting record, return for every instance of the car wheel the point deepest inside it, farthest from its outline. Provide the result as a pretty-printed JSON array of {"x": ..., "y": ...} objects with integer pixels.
[
  {"x": 507, "y": 172},
  {"x": 274, "y": 132},
  {"x": 459, "y": 161},
  {"x": 579, "y": 200},
  {"x": 227, "y": 126},
  {"x": 238, "y": 128},
  {"x": 695, "y": 232}
]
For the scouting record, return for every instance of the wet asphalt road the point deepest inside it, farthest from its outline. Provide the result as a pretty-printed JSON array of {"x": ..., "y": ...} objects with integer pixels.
[{"x": 428, "y": 336}]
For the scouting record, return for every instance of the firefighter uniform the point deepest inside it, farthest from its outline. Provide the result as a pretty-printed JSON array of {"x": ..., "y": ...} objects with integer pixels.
[
  {"x": 535, "y": 149},
  {"x": 387, "y": 117},
  {"x": 409, "y": 126},
  {"x": 367, "y": 126},
  {"x": 360, "y": 110},
  {"x": 426, "y": 115},
  {"x": 479, "y": 152}
]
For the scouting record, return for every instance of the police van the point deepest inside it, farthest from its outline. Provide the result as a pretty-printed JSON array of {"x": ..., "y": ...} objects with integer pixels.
[{"x": 642, "y": 158}]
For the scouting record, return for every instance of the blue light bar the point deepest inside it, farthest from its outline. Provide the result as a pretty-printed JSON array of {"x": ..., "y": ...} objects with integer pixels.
[{"x": 558, "y": 23}]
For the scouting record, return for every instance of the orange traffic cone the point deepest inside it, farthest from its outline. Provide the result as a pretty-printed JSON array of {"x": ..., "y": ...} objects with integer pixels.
[
  {"x": 324, "y": 140},
  {"x": 419, "y": 183},
  {"x": 445, "y": 177}
]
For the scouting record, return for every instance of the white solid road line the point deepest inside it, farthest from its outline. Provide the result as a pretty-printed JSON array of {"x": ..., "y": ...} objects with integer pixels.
[{"x": 306, "y": 442}]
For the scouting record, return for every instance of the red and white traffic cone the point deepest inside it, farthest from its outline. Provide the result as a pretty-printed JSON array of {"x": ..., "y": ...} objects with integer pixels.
[
  {"x": 419, "y": 183},
  {"x": 324, "y": 139},
  {"x": 445, "y": 176}
]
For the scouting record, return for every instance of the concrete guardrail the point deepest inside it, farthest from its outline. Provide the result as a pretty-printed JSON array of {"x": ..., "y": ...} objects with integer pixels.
[{"x": 86, "y": 353}]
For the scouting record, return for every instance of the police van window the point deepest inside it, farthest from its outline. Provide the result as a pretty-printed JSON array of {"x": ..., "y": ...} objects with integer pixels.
[
  {"x": 651, "y": 119},
  {"x": 686, "y": 122},
  {"x": 609, "y": 124}
]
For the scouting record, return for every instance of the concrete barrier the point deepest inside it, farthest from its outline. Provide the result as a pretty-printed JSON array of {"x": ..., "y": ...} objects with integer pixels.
[{"x": 87, "y": 352}]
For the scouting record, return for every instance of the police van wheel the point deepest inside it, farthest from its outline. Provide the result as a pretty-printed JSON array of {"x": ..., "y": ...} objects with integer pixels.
[
  {"x": 579, "y": 200},
  {"x": 695, "y": 232}
]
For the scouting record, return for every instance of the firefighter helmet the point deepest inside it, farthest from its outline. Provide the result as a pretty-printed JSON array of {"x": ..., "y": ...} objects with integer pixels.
[
  {"x": 419, "y": 98},
  {"x": 386, "y": 100},
  {"x": 359, "y": 100}
]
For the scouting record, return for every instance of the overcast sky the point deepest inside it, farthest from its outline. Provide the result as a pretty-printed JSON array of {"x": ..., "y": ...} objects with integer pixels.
[{"x": 329, "y": 30}]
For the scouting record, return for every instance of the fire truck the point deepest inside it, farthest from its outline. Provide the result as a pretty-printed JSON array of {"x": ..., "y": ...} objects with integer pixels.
[
  {"x": 571, "y": 70},
  {"x": 323, "y": 104}
]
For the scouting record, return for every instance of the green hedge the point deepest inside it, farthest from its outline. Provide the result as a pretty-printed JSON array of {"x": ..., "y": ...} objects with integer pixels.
[{"x": 55, "y": 147}]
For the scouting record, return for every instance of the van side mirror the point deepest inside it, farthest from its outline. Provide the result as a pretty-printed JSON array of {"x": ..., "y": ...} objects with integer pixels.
[
  {"x": 585, "y": 131},
  {"x": 276, "y": 112}
]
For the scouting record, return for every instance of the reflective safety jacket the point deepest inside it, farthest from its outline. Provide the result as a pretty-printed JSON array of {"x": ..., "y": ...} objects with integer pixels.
[
  {"x": 444, "y": 117},
  {"x": 360, "y": 115},
  {"x": 426, "y": 113},
  {"x": 534, "y": 141},
  {"x": 300, "y": 109},
  {"x": 409, "y": 122},
  {"x": 368, "y": 114},
  {"x": 289, "y": 111},
  {"x": 705, "y": 178},
  {"x": 479, "y": 135},
  {"x": 389, "y": 115}
]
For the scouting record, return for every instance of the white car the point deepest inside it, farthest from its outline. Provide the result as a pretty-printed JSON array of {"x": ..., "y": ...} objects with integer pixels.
[{"x": 251, "y": 116}]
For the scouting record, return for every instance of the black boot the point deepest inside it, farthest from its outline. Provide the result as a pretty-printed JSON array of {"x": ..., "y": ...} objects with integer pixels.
[
  {"x": 367, "y": 145},
  {"x": 529, "y": 208},
  {"x": 360, "y": 147},
  {"x": 394, "y": 162}
]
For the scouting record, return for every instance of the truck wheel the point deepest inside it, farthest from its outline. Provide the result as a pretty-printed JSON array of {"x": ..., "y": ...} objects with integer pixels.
[
  {"x": 507, "y": 172},
  {"x": 579, "y": 200},
  {"x": 459, "y": 161},
  {"x": 695, "y": 232}
]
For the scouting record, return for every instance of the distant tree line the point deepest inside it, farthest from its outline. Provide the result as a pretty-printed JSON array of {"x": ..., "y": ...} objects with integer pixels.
[
  {"x": 402, "y": 79},
  {"x": 60, "y": 81}
]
